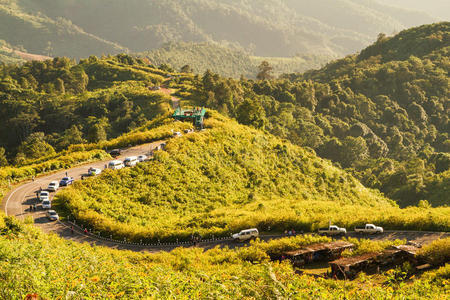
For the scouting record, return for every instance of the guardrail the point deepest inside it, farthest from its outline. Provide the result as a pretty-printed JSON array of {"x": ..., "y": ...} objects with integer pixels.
[{"x": 88, "y": 232}]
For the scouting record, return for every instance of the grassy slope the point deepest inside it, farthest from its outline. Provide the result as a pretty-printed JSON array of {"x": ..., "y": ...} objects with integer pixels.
[
  {"x": 228, "y": 178},
  {"x": 36, "y": 263}
]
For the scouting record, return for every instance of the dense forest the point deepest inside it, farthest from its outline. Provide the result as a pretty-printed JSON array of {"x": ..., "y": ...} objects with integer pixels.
[
  {"x": 47, "y": 106},
  {"x": 265, "y": 28},
  {"x": 383, "y": 113}
]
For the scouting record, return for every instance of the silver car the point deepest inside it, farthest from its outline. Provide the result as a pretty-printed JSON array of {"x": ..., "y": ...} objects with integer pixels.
[{"x": 52, "y": 215}]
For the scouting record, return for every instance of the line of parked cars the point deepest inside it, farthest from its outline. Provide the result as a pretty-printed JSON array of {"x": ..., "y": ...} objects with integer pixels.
[
  {"x": 335, "y": 230},
  {"x": 44, "y": 195},
  {"x": 128, "y": 162}
]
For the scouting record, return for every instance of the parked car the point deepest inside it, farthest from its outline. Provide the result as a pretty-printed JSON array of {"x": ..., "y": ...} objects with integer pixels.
[
  {"x": 142, "y": 158},
  {"x": 52, "y": 215},
  {"x": 66, "y": 181},
  {"x": 369, "y": 228},
  {"x": 116, "y": 165},
  {"x": 246, "y": 234},
  {"x": 333, "y": 230},
  {"x": 44, "y": 195},
  {"x": 131, "y": 161},
  {"x": 53, "y": 186},
  {"x": 94, "y": 171},
  {"x": 115, "y": 152},
  {"x": 188, "y": 130},
  {"x": 46, "y": 204},
  {"x": 177, "y": 134}
]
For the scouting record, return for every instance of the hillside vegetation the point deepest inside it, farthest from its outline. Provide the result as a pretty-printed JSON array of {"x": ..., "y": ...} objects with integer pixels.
[
  {"x": 228, "y": 178},
  {"x": 266, "y": 28},
  {"x": 42, "y": 265},
  {"x": 50, "y": 105},
  {"x": 228, "y": 62},
  {"x": 384, "y": 113}
]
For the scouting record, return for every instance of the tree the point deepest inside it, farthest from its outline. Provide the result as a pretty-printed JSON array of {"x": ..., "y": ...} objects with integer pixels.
[
  {"x": 265, "y": 71},
  {"x": 35, "y": 146},
  {"x": 72, "y": 136},
  {"x": 3, "y": 160},
  {"x": 251, "y": 113},
  {"x": 353, "y": 150},
  {"x": 186, "y": 69}
]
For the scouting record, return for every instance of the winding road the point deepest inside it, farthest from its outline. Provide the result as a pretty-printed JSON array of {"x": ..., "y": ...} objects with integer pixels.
[{"x": 17, "y": 203}]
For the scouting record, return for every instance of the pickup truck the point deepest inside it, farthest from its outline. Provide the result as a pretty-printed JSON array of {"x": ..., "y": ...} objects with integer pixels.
[
  {"x": 369, "y": 228},
  {"x": 333, "y": 230}
]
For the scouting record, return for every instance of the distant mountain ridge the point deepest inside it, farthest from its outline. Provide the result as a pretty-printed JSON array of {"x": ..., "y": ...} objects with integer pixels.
[
  {"x": 227, "y": 61},
  {"x": 264, "y": 28}
]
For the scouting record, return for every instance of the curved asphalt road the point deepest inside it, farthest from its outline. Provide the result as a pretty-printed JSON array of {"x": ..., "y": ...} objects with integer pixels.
[{"x": 18, "y": 201}]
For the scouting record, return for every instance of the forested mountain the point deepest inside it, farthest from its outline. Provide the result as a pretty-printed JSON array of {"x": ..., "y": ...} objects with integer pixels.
[
  {"x": 265, "y": 28},
  {"x": 228, "y": 62},
  {"x": 383, "y": 113}
]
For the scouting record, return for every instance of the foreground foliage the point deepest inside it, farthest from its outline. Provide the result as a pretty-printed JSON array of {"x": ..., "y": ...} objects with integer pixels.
[{"x": 36, "y": 263}]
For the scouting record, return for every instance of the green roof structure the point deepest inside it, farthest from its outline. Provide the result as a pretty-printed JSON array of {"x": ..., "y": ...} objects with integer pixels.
[{"x": 196, "y": 115}]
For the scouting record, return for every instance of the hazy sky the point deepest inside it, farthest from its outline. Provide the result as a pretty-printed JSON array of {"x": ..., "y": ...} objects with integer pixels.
[{"x": 438, "y": 8}]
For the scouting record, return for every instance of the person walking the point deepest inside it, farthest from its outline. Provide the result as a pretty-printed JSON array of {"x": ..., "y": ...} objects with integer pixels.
[{"x": 71, "y": 229}]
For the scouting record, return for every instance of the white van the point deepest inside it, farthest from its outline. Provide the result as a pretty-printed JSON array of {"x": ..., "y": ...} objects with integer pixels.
[
  {"x": 246, "y": 234},
  {"x": 53, "y": 186},
  {"x": 115, "y": 165},
  {"x": 131, "y": 161}
]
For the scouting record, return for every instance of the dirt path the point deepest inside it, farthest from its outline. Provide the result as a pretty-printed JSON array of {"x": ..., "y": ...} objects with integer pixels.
[{"x": 175, "y": 100}]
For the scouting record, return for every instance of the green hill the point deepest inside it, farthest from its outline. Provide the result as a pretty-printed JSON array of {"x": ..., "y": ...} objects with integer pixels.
[
  {"x": 265, "y": 28},
  {"x": 382, "y": 113},
  {"x": 225, "y": 179},
  {"x": 226, "y": 61}
]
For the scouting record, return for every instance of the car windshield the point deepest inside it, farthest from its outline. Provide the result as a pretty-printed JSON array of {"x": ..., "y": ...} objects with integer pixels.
[
  {"x": 65, "y": 178},
  {"x": 53, "y": 213}
]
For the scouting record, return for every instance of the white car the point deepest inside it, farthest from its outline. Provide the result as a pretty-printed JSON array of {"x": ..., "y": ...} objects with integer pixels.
[
  {"x": 369, "y": 228},
  {"x": 142, "y": 158},
  {"x": 94, "y": 171},
  {"x": 116, "y": 165},
  {"x": 333, "y": 230},
  {"x": 44, "y": 195},
  {"x": 131, "y": 161},
  {"x": 177, "y": 134},
  {"x": 46, "y": 204},
  {"x": 246, "y": 234},
  {"x": 53, "y": 186},
  {"x": 52, "y": 215}
]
